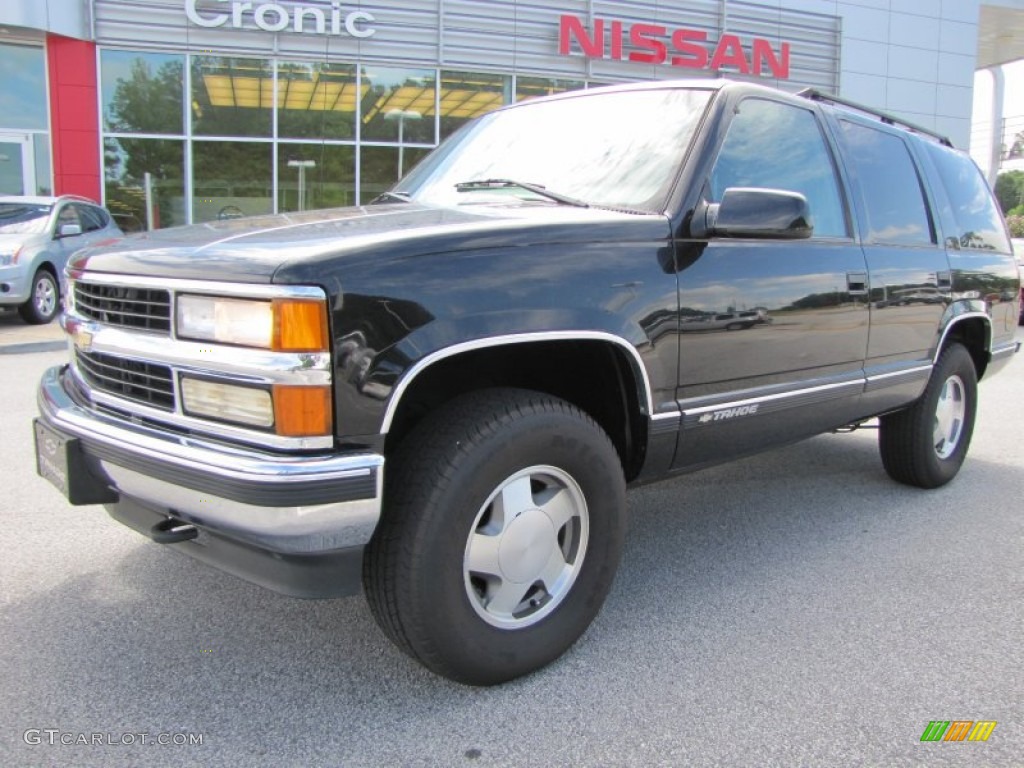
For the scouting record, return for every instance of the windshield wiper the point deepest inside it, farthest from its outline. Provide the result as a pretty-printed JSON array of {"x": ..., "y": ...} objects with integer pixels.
[
  {"x": 537, "y": 189},
  {"x": 391, "y": 197}
]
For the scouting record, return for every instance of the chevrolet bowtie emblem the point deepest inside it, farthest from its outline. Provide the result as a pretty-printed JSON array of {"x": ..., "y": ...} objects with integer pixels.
[{"x": 82, "y": 339}]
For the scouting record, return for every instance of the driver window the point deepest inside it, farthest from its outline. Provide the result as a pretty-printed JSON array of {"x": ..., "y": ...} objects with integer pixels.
[
  {"x": 67, "y": 215},
  {"x": 778, "y": 146}
]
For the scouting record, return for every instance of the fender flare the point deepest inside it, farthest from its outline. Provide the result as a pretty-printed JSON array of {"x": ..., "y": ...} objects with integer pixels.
[{"x": 636, "y": 363}]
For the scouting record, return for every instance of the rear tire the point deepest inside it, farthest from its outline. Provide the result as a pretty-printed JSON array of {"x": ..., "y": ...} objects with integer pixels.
[
  {"x": 503, "y": 527},
  {"x": 44, "y": 301},
  {"x": 926, "y": 444}
]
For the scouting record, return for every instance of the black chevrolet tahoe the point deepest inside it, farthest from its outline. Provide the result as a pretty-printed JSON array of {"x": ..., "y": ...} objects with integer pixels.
[{"x": 443, "y": 395}]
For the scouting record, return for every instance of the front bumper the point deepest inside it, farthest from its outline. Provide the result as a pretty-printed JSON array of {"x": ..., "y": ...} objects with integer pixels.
[
  {"x": 294, "y": 523},
  {"x": 14, "y": 284}
]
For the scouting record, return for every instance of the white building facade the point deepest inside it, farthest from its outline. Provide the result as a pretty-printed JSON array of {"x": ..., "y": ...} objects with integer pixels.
[{"x": 178, "y": 111}]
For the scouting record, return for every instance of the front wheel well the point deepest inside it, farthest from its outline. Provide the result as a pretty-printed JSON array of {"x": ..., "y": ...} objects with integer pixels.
[{"x": 595, "y": 376}]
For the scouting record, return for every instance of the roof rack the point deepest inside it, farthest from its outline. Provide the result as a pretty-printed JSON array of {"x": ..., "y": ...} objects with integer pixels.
[{"x": 815, "y": 95}]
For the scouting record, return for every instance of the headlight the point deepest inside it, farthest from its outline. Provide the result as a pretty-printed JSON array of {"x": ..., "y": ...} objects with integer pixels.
[
  {"x": 291, "y": 410},
  {"x": 285, "y": 325}
]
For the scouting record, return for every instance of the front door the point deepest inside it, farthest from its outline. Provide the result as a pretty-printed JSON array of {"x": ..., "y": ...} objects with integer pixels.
[
  {"x": 17, "y": 166},
  {"x": 773, "y": 333}
]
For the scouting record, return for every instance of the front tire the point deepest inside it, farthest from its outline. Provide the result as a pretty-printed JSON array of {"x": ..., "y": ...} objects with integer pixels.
[
  {"x": 503, "y": 527},
  {"x": 44, "y": 301},
  {"x": 926, "y": 444}
]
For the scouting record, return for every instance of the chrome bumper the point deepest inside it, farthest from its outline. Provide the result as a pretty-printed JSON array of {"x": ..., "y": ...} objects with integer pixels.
[{"x": 286, "y": 504}]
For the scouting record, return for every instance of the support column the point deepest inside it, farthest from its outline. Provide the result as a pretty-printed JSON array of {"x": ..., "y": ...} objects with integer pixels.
[{"x": 996, "y": 146}]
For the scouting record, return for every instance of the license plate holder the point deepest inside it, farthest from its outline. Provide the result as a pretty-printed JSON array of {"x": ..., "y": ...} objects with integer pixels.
[{"x": 61, "y": 461}]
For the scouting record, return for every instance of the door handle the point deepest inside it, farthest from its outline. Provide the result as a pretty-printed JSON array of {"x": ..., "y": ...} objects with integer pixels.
[{"x": 857, "y": 283}]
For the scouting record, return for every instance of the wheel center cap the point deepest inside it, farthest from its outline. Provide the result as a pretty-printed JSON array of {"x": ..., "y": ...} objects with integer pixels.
[{"x": 526, "y": 546}]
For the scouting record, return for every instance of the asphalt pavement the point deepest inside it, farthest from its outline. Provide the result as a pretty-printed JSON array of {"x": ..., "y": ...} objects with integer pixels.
[
  {"x": 793, "y": 609},
  {"x": 18, "y": 337}
]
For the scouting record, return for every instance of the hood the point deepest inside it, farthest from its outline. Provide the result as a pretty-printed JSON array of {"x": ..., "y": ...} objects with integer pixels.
[
  {"x": 11, "y": 242},
  {"x": 260, "y": 249}
]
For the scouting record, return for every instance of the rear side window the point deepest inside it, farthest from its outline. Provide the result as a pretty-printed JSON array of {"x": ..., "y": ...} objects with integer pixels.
[
  {"x": 778, "y": 146},
  {"x": 892, "y": 190},
  {"x": 101, "y": 216},
  {"x": 979, "y": 224}
]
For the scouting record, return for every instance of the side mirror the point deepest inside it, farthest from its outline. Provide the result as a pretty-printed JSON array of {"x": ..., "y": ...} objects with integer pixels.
[
  {"x": 759, "y": 213},
  {"x": 69, "y": 230}
]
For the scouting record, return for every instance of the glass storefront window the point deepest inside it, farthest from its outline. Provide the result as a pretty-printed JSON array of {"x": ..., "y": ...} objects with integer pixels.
[
  {"x": 465, "y": 95},
  {"x": 231, "y": 179},
  {"x": 231, "y": 96},
  {"x": 244, "y": 121},
  {"x": 315, "y": 176},
  {"x": 379, "y": 168},
  {"x": 316, "y": 100},
  {"x": 533, "y": 87},
  {"x": 125, "y": 165},
  {"x": 142, "y": 92},
  {"x": 398, "y": 105},
  {"x": 23, "y": 95},
  {"x": 41, "y": 153}
]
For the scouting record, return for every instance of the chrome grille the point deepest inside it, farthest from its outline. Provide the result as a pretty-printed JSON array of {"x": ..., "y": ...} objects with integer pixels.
[
  {"x": 146, "y": 383},
  {"x": 147, "y": 309}
]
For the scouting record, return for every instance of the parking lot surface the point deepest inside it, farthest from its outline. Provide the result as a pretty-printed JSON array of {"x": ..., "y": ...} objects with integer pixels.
[{"x": 795, "y": 609}]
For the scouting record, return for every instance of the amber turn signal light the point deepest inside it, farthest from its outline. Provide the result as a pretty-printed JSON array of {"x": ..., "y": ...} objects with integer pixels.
[
  {"x": 300, "y": 326},
  {"x": 302, "y": 411}
]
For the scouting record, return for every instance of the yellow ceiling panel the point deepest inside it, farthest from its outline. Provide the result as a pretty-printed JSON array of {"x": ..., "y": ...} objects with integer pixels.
[{"x": 416, "y": 98}]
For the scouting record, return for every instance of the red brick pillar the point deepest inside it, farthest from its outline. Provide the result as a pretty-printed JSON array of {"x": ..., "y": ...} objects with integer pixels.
[{"x": 74, "y": 118}]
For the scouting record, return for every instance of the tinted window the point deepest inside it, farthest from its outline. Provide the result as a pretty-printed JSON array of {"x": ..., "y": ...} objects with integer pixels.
[
  {"x": 777, "y": 146},
  {"x": 978, "y": 220},
  {"x": 895, "y": 202}
]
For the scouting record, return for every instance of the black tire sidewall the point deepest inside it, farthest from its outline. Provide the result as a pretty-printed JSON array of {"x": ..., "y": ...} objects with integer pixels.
[
  {"x": 30, "y": 312},
  {"x": 463, "y": 645},
  {"x": 955, "y": 361}
]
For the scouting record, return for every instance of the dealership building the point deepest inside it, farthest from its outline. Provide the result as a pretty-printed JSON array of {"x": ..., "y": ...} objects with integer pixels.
[{"x": 179, "y": 111}]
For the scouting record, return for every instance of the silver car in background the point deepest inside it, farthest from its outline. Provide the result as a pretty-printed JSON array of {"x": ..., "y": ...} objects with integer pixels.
[{"x": 37, "y": 235}]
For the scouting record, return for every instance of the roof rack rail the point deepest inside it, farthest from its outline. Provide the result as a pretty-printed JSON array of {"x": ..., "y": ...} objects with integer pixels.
[{"x": 815, "y": 95}]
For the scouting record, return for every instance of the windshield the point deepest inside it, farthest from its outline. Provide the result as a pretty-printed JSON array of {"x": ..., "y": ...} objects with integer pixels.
[
  {"x": 610, "y": 149},
  {"x": 23, "y": 219}
]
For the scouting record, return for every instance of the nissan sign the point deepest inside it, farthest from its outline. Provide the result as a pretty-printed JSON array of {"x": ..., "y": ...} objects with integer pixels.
[{"x": 658, "y": 44}]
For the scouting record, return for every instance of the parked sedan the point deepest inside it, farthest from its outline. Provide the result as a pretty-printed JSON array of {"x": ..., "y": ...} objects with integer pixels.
[{"x": 37, "y": 235}]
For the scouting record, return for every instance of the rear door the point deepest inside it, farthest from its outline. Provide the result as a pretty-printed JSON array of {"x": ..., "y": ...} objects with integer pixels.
[
  {"x": 797, "y": 368},
  {"x": 909, "y": 272}
]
